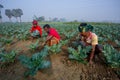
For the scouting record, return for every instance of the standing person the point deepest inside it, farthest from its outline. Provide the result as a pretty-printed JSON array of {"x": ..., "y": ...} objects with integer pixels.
[
  {"x": 36, "y": 30},
  {"x": 88, "y": 38},
  {"x": 53, "y": 37}
]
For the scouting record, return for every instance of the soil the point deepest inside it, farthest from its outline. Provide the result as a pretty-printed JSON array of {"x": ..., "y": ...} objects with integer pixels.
[{"x": 61, "y": 67}]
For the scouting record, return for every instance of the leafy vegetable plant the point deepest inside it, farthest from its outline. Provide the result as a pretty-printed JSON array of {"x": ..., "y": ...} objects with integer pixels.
[
  {"x": 56, "y": 48},
  {"x": 64, "y": 42},
  {"x": 36, "y": 62},
  {"x": 79, "y": 54},
  {"x": 34, "y": 46},
  {"x": 8, "y": 57},
  {"x": 7, "y": 41},
  {"x": 112, "y": 56}
]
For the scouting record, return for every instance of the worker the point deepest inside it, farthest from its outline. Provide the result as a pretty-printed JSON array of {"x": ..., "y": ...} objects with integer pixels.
[
  {"x": 36, "y": 30},
  {"x": 88, "y": 38},
  {"x": 53, "y": 36}
]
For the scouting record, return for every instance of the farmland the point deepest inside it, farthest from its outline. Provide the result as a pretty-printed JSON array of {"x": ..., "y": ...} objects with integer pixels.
[{"x": 18, "y": 53}]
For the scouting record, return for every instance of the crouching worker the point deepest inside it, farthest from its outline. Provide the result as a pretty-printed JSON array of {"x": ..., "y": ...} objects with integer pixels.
[
  {"x": 88, "y": 38},
  {"x": 36, "y": 30},
  {"x": 53, "y": 37}
]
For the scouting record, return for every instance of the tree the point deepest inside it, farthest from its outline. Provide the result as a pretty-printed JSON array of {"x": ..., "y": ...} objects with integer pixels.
[
  {"x": 20, "y": 13},
  {"x": 8, "y": 13},
  {"x": 0, "y": 17},
  {"x": 75, "y": 21},
  {"x": 1, "y": 6},
  {"x": 55, "y": 20},
  {"x": 42, "y": 18},
  {"x": 15, "y": 14},
  {"x": 62, "y": 19}
]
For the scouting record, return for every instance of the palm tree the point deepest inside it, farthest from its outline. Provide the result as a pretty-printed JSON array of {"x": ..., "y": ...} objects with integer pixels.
[
  {"x": 1, "y": 6},
  {"x": 8, "y": 13},
  {"x": 20, "y": 13}
]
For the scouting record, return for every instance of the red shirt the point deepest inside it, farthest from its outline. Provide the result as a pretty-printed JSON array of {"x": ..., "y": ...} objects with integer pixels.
[
  {"x": 36, "y": 28},
  {"x": 54, "y": 33}
]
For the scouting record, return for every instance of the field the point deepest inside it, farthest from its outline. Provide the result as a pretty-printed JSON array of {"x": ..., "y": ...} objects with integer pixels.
[{"x": 18, "y": 54}]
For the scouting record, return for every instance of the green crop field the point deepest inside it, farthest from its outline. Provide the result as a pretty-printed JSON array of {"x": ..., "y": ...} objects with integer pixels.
[{"x": 21, "y": 57}]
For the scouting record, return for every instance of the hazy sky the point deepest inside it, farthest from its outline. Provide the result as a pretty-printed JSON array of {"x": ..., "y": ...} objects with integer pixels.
[{"x": 88, "y": 10}]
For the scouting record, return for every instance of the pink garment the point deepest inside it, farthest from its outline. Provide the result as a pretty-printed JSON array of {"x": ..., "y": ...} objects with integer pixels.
[{"x": 54, "y": 33}]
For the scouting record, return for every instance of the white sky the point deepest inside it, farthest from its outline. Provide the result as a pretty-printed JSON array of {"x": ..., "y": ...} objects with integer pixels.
[{"x": 87, "y": 10}]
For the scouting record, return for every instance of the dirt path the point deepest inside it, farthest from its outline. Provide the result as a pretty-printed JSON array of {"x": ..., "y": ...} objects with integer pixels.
[{"x": 20, "y": 45}]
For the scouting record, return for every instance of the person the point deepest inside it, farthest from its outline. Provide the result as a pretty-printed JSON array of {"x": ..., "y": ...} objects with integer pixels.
[
  {"x": 53, "y": 37},
  {"x": 88, "y": 38},
  {"x": 36, "y": 30},
  {"x": 82, "y": 27}
]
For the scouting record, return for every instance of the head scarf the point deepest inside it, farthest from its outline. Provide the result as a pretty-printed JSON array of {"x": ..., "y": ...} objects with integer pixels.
[
  {"x": 35, "y": 22},
  {"x": 85, "y": 28}
]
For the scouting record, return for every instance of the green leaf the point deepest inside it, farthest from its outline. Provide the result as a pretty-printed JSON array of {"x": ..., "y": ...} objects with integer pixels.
[
  {"x": 35, "y": 62},
  {"x": 79, "y": 54}
]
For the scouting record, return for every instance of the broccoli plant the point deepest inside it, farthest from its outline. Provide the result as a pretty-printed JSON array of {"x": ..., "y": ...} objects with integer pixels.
[
  {"x": 102, "y": 40},
  {"x": 8, "y": 57},
  {"x": 34, "y": 46},
  {"x": 64, "y": 42},
  {"x": 24, "y": 35},
  {"x": 69, "y": 34},
  {"x": 7, "y": 41},
  {"x": 56, "y": 48},
  {"x": 112, "y": 56},
  {"x": 36, "y": 62},
  {"x": 79, "y": 54}
]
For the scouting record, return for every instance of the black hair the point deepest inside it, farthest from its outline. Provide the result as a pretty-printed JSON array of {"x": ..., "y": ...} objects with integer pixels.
[
  {"x": 46, "y": 26},
  {"x": 83, "y": 24}
]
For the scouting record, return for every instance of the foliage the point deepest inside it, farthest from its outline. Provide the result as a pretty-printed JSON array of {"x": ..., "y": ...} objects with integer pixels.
[
  {"x": 15, "y": 13},
  {"x": 118, "y": 43},
  {"x": 102, "y": 40},
  {"x": 0, "y": 16},
  {"x": 1, "y": 6},
  {"x": 69, "y": 34},
  {"x": 8, "y": 13},
  {"x": 34, "y": 46},
  {"x": 64, "y": 42},
  {"x": 56, "y": 48},
  {"x": 112, "y": 56},
  {"x": 8, "y": 57},
  {"x": 20, "y": 31},
  {"x": 79, "y": 54},
  {"x": 7, "y": 41},
  {"x": 36, "y": 62}
]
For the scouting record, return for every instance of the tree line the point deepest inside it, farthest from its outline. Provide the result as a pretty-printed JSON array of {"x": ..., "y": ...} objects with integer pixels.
[
  {"x": 16, "y": 13},
  {"x": 42, "y": 18}
]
